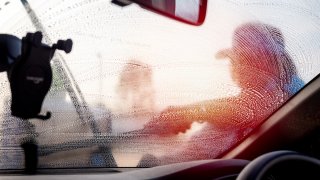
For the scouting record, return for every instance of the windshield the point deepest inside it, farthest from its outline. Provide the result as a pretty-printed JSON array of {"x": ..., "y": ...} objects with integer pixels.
[{"x": 139, "y": 89}]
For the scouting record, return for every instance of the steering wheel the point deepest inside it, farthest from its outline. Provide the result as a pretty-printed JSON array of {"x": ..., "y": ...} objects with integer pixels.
[{"x": 282, "y": 165}]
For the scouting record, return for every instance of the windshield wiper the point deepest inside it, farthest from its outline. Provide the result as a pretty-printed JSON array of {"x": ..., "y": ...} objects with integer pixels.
[{"x": 70, "y": 84}]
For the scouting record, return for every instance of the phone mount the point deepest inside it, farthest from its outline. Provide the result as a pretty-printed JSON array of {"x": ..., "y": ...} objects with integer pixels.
[{"x": 30, "y": 76}]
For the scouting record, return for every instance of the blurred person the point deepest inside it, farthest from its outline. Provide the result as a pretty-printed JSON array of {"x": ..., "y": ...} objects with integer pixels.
[
  {"x": 293, "y": 83},
  {"x": 135, "y": 89},
  {"x": 267, "y": 77}
]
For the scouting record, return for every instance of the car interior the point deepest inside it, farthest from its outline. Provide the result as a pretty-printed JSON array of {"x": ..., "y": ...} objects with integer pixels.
[{"x": 159, "y": 89}]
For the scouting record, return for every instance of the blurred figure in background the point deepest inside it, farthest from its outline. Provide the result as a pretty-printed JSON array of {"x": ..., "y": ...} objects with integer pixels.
[{"x": 135, "y": 89}]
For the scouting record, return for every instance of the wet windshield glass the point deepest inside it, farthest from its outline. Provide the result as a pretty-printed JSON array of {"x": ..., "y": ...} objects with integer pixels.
[{"x": 139, "y": 89}]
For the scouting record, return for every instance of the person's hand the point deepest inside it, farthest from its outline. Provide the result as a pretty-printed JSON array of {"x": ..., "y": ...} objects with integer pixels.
[{"x": 171, "y": 121}]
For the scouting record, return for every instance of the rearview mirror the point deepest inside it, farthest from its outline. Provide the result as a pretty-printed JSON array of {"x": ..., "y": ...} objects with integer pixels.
[{"x": 188, "y": 11}]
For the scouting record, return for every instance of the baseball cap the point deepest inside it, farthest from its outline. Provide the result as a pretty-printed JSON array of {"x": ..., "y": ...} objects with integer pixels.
[{"x": 254, "y": 38}]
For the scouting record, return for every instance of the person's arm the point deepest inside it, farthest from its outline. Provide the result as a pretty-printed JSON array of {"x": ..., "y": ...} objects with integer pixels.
[{"x": 222, "y": 113}]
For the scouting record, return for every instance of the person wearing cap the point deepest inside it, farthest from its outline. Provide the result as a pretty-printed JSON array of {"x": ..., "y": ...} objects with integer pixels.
[{"x": 262, "y": 69}]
